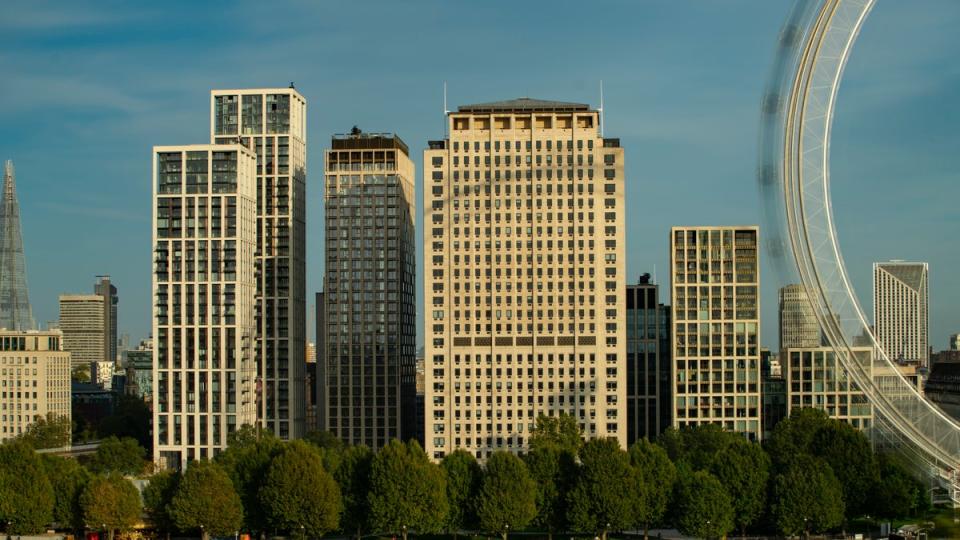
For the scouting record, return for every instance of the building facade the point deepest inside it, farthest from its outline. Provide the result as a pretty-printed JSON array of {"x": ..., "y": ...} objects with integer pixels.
[
  {"x": 272, "y": 122},
  {"x": 83, "y": 326},
  {"x": 204, "y": 285},
  {"x": 524, "y": 276},
  {"x": 108, "y": 291},
  {"x": 366, "y": 380},
  {"x": 900, "y": 314},
  {"x": 139, "y": 370},
  {"x": 715, "y": 298},
  {"x": 648, "y": 362},
  {"x": 799, "y": 327},
  {"x": 34, "y": 379},
  {"x": 816, "y": 378}
]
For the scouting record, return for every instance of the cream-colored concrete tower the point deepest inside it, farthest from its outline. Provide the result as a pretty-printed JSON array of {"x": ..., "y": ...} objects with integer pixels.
[
  {"x": 900, "y": 311},
  {"x": 272, "y": 122},
  {"x": 523, "y": 276},
  {"x": 83, "y": 326},
  {"x": 715, "y": 294},
  {"x": 799, "y": 327},
  {"x": 34, "y": 379},
  {"x": 204, "y": 237},
  {"x": 817, "y": 379}
]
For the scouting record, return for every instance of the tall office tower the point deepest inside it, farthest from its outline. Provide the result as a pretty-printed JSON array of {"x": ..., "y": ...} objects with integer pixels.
[
  {"x": 715, "y": 293},
  {"x": 273, "y": 123},
  {"x": 34, "y": 379},
  {"x": 82, "y": 324},
  {"x": 900, "y": 312},
  {"x": 648, "y": 366},
  {"x": 15, "y": 312},
  {"x": 524, "y": 276},
  {"x": 108, "y": 291},
  {"x": 816, "y": 378},
  {"x": 204, "y": 331},
  {"x": 798, "y": 323},
  {"x": 366, "y": 379}
]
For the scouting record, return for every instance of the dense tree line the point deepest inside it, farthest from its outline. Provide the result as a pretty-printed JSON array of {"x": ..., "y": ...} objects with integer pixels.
[{"x": 814, "y": 474}]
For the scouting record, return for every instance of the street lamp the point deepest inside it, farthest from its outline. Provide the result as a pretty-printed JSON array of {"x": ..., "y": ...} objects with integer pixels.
[
  {"x": 708, "y": 526},
  {"x": 202, "y": 537},
  {"x": 404, "y": 528},
  {"x": 506, "y": 530},
  {"x": 302, "y": 532}
]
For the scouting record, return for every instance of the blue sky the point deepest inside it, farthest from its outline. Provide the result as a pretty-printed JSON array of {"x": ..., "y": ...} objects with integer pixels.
[{"x": 88, "y": 87}]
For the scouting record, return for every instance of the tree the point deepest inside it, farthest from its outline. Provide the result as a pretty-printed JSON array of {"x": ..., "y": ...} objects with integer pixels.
[
  {"x": 703, "y": 507},
  {"x": 794, "y": 436},
  {"x": 52, "y": 431},
  {"x": 656, "y": 475},
  {"x": 406, "y": 491},
  {"x": 508, "y": 496},
  {"x": 111, "y": 502},
  {"x": 26, "y": 496},
  {"x": 562, "y": 431},
  {"x": 851, "y": 458},
  {"x": 464, "y": 476},
  {"x": 353, "y": 476},
  {"x": 246, "y": 459},
  {"x": 81, "y": 373},
  {"x": 603, "y": 497},
  {"x": 743, "y": 469},
  {"x": 807, "y": 497},
  {"x": 156, "y": 499},
  {"x": 554, "y": 472},
  {"x": 131, "y": 418},
  {"x": 205, "y": 501},
  {"x": 67, "y": 478},
  {"x": 898, "y": 494},
  {"x": 124, "y": 456},
  {"x": 298, "y": 495},
  {"x": 697, "y": 446},
  {"x": 324, "y": 439}
]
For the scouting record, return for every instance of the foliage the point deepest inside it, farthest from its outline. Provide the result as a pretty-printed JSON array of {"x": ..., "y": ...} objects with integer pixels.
[
  {"x": 508, "y": 497},
  {"x": 406, "y": 490},
  {"x": 52, "y": 431},
  {"x": 656, "y": 475},
  {"x": 131, "y": 418},
  {"x": 562, "y": 431},
  {"x": 246, "y": 459},
  {"x": 156, "y": 499},
  {"x": 26, "y": 496},
  {"x": 124, "y": 456},
  {"x": 794, "y": 436},
  {"x": 898, "y": 494},
  {"x": 205, "y": 496},
  {"x": 850, "y": 456},
  {"x": 697, "y": 446},
  {"x": 67, "y": 478},
  {"x": 807, "y": 496},
  {"x": 554, "y": 471},
  {"x": 111, "y": 502},
  {"x": 744, "y": 471},
  {"x": 324, "y": 439},
  {"x": 297, "y": 493},
  {"x": 353, "y": 476},
  {"x": 603, "y": 498},
  {"x": 464, "y": 476},
  {"x": 81, "y": 373},
  {"x": 704, "y": 509}
]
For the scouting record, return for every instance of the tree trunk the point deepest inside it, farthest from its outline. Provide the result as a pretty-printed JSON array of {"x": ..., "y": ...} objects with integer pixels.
[
  {"x": 109, "y": 534},
  {"x": 404, "y": 534},
  {"x": 646, "y": 531}
]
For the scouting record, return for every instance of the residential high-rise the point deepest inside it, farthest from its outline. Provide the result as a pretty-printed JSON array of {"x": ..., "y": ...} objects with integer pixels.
[
  {"x": 108, "y": 291},
  {"x": 715, "y": 294},
  {"x": 15, "y": 312},
  {"x": 34, "y": 379},
  {"x": 523, "y": 276},
  {"x": 648, "y": 361},
  {"x": 799, "y": 327},
  {"x": 900, "y": 312},
  {"x": 204, "y": 238},
  {"x": 272, "y": 122},
  {"x": 366, "y": 378},
  {"x": 817, "y": 379},
  {"x": 82, "y": 323}
]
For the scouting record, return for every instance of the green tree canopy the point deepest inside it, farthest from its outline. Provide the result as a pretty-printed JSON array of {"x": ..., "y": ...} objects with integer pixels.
[
  {"x": 324, "y": 439},
  {"x": 298, "y": 494},
  {"x": 124, "y": 456},
  {"x": 67, "y": 478},
  {"x": 131, "y": 418},
  {"x": 898, "y": 494},
  {"x": 353, "y": 476},
  {"x": 52, "y": 431},
  {"x": 554, "y": 471},
  {"x": 703, "y": 507},
  {"x": 407, "y": 491},
  {"x": 26, "y": 497},
  {"x": 602, "y": 498},
  {"x": 697, "y": 446},
  {"x": 656, "y": 475},
  {"x": 246, "y": 459},
  {"x": 795, "y": 436},
  {"x": 463, "y": 485},
  {"x": 807, "y": 496},
  {"x": 111, "y": 502},
  {"x": 508, "y": 496},
  {"x": 206, "y": 501},
  {"x": 156, "y": 499},
  {"x": 562, "y": 431},
  {"x": 744, "y": 471},
  {"x": 850, "y": 456}
]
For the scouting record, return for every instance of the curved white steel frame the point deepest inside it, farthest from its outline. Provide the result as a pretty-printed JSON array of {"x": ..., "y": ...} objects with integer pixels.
[{"x": 795, "y": 185}]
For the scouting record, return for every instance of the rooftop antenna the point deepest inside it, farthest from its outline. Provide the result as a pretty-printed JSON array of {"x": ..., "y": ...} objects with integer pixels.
[
  {"x": 655, "y": 274},
  {"x": 600, "y": 110},
  {"x": 446, "y": 111}
]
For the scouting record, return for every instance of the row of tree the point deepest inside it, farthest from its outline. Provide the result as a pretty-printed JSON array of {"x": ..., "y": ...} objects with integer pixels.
[{"x": 814, "y": 474}]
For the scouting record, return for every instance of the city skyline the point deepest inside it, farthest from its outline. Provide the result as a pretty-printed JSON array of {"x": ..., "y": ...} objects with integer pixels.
[{"x": 658, "y": 105}]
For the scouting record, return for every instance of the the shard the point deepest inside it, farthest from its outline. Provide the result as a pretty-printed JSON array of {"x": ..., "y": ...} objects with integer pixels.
[{"x": 15, "y": 313}]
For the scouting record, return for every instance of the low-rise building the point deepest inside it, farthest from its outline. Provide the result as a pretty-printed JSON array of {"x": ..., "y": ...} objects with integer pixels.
[
  {"x": 816, "y": 378},
  {"x": 34, "y": 379}
]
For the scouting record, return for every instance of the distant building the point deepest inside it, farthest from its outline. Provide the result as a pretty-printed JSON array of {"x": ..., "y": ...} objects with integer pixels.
[
  {"x": 108, "y": 291},
  {"x": 943, "y": 385},
  {"x": 419, "y": 426},
  {"x": 83, "y": 326},
  {"x": 139, "y": 371},
  {"x": 773, "y": 391},
  {"x": 955, "y": 342},
  {"x": 816, "y": 378},
  {"x": 15, "y": 311},
  {"x": 648, "y": 362},
  {"x": 102, "y": 373},
  {"x": 900, "y": 312},
  {"x": 34, "y": 379},
  {"x": 798, "y": 322}
]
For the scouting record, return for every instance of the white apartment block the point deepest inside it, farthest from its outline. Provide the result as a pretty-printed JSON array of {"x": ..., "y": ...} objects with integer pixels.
[
  {"x": 84, "y": 328},
  {"x": 900, "y": 312},
  {"x": 715, "y": 297},
  {"x": 272, "y": 123},
  {"x": 34, "y": 379},
  {"x": 523, "y": 276},
  {"x": 817, "y": 379},
  {"x": 204, "y": 238}
]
